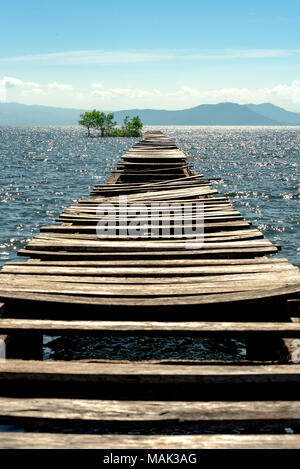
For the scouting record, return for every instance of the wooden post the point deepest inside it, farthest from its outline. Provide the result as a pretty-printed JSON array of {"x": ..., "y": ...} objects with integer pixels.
[
  {"x": 277, "y": 348},
  {"x": 266, "y": 349},
  {"x": 19, "y": 345},
  {"x": 24, "y": 346}
]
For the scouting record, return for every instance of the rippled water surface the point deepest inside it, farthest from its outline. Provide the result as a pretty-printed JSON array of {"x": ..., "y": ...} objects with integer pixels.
[
  {"x": 42, "y": 170},
  {"x": 259, "y": 171}
]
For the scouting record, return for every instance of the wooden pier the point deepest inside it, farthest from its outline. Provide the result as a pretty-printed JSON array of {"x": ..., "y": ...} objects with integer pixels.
[{"x": 161, "y": 285}]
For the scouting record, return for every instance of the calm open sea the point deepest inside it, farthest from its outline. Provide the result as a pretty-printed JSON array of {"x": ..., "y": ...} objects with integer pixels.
[{"x": 44, "y": 169}]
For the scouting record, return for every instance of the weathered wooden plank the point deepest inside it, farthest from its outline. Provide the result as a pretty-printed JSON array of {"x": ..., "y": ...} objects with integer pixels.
[
  {"x": 89, "y": 226},
  {"x": 151, "y": 328},
  {"x": 146, "y": 411},
  {"x": 118, "y": 212},
  {"x": 166, "y": 169},
  {"x": 185, "y": 224},
  {"x": 206, "y": 200},
  {"x": 149, "y": 283},
  {"x": 168, "y": 194},
  {"x": 119, "y": 209},
  {"x": 183, "y": 219},
  {"x": 176, "y": 442},
  {"x": 277, "y": 262},
  {"x": 146, "y": 271},
  {"x": 56, "y": 239},
  {"x": 217, "y": 253},
  {"x": 208, "y": 236},
  {"x": 138, "y": 302},
  {"x": 224, "y": 236},
  {"x": 147, "y": 372},
  {"x": 130, "y": 190},
  {"x": 203, "y": 287},
  {"x": 50, "y": 242},
  {"x": 155, "y": 380},
  {"x": 145, "y": 156},
  {"x": 151, "y": 164}
]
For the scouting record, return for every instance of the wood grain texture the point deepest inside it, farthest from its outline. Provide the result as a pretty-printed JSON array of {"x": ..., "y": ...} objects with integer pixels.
[
  {"x": 137, "y": 302},
  {"x": 151, "y": 328},
  {"x": 139, "y": 411},
  {"x": 176, "y": 442},
  {"x": 146, "y": 372}
]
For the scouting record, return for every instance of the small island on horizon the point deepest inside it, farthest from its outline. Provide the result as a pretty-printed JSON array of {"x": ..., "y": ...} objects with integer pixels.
[{"x": 106, "y": 126}]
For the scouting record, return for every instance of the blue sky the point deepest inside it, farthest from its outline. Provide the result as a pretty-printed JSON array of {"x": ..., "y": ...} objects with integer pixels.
[{"x": 159, "y": 54}]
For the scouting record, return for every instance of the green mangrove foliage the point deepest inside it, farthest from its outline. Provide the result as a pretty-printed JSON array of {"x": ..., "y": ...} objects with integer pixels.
[{"x": 106, "y": 125}]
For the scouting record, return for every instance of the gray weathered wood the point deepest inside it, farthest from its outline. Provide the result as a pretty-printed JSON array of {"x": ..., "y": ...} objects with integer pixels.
[
  {"x": 151, "y": 328},
  {"x": 147, "y": 372},
  {"x": 175, "y": 442},
  {"x": 157, "y": 411}
]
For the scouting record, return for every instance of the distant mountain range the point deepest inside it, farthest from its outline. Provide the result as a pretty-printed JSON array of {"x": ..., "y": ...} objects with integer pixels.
[{"x": 16, "y": 114}]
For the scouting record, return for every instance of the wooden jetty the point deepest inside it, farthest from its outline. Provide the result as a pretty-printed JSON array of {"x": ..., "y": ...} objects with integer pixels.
[{"x": 75, "y": 283}]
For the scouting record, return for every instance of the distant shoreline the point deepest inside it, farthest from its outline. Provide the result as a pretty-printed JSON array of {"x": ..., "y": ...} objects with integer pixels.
[{"x": 222, "y": 114}]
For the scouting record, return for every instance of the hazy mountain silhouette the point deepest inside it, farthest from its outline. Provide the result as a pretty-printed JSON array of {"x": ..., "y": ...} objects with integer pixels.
[
  {"x": 276, "y": 113},
  {"x": 206, "y": 114},
  {"x": 21, "y": 114}
]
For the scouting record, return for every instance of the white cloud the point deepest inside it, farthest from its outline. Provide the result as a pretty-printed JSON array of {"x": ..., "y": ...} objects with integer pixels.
[
  {"x": 154, "y": 55},
  {"x": 33, "y": 84},
  {"x": 245, "y": 95},
  {"x": 240, "y": 54},
  {"x": 241, "y": 95},
  {"x": 102, "y": 93},
  {"x": 60, "y": 86},
  {"x": 36, "y": 91},
  {"x": 134, "y": 92},
  {"x": 11, "y": 82},
  {"x": 126, "y": 92},
  {"x": 83, "y": 57},
  {"x": 28, "y": 88},
  {"x": 282, "y": 94},
  {"x": 186, "y": 90}
]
